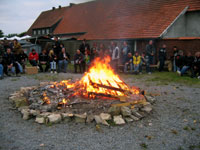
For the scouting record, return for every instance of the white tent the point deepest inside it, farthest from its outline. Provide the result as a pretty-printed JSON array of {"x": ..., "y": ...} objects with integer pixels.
[
  {"x": 2, "y": 38},
  {"x": 14, "y": 37},
  {"x": 25, "y": 37}
]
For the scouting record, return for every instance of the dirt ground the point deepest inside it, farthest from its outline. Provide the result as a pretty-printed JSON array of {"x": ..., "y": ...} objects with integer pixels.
[{"x": 173, "y": 125}]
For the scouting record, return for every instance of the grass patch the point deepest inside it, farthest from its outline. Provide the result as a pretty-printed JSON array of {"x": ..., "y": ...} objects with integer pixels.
[
  {"x": 144, "y": 145},
  {"x": 163, "y": 78}
]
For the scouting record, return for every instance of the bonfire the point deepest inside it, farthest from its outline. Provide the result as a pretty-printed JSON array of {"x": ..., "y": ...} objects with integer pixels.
[{"x": 100, "y": 81}]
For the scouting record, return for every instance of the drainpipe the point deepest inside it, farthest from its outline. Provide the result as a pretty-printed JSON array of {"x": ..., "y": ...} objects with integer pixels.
[{"x": 135, "y": 46}]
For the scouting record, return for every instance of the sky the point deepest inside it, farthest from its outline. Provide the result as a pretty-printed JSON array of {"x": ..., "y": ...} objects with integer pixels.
[{"x": 16, "y": 16}]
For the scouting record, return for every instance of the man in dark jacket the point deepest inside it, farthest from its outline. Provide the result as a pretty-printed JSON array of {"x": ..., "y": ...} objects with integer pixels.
[
  {"x": 162, "y": 57},
  {"x": 63, "y": 59},
  {"x": 56, "y": 47},
  {"x": 43, "y": 61},
  {"x": 78, "y": 59},
  {"x": 9, "y": 62},
  {"x": 180, "y": 59},
  {"x": 84, "y": 46},
  {"x": 150, "y": 52}
]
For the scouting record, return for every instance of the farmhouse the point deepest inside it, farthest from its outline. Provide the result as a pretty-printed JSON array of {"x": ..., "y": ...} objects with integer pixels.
[{"x": 174, "y": 22}]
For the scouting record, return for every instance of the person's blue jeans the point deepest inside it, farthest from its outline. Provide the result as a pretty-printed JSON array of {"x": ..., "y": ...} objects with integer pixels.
[
  {"x": 174, "y": 66},
  {"x": 53, "y": 65},
  {"x": 1, "y": 70},
  {"x": 19, "y": 66},
  {"x": 64, "y": 63},
  {"x": 136, "y": 67},
  {"x": 184, "y": 69}
]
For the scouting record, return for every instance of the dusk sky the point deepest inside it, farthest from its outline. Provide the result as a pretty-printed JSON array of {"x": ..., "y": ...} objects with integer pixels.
[{"x": 17, "y": 16}]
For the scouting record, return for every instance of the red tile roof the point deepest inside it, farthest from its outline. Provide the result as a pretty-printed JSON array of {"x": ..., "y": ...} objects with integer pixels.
[{"x": 117, "y": 19}]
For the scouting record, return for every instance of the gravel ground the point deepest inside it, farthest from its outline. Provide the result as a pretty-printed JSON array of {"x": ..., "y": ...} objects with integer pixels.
[{"x": 171, "y": 126}]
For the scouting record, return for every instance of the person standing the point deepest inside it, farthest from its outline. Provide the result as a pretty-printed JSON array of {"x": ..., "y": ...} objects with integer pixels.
[
  {"x": 150, "y": 52},
  {"x": 63, "y": 60},
  {"x": 175, "y": 53},
  {"x": 125, "y": 52},
  {"x": 56, "y": 47},
  {"x": 115, "y": 57},
  {"x": 84, "y": 46},
  {"x": 78, "y": 59},
  {"x": 16, "y": 47},
  {"x": 162, "y": 57}
]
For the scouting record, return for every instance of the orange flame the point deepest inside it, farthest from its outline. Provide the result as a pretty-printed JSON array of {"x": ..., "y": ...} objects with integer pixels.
[{"x": 100, "y": 79}]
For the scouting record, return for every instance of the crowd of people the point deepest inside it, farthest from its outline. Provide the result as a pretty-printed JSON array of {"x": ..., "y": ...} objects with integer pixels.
[{"x": 13, "y": 59}]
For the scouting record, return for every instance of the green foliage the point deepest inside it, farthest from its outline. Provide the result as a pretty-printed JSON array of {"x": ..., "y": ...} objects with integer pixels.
[{"x": 1, "y": 34}]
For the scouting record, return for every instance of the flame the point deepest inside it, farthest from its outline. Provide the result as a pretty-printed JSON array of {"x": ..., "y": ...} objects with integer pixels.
[
  {"x": 46, "y": 99},
  {"x": 99, "y": 80}
]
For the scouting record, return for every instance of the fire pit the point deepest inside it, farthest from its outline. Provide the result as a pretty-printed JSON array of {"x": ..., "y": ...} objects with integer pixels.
[{"x": 99, "y": 95}]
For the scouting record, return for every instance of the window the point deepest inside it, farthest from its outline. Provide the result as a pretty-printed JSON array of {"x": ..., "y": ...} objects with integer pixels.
[
  {"x": 47, "y": 31},
  {"x": 43, "y": 31},
  {"x": 39, "y": 32},
  {"x": 34, "y": 32}
]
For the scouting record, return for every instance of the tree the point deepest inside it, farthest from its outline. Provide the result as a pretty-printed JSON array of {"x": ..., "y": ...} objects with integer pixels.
[
  {"x": 1, "y": 34},
  {"x": 22, "y": 34}
]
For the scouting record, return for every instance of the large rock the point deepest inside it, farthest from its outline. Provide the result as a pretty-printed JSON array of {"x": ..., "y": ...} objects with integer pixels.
[
  {"x": 40, "y": 120},
  {"x": 134, "y": 118},
  {"x": 126, "y": 111},
  {"x": 34, "y": 112},
  {"x": 45, "y": 114},
  {"x": 67, "y": 117},
  {"x": 114, "y": 110},
  {"x": 137, "y": 114},
  {"x": 80, "y": 118},
  {"x": 90, "y": 118},
  {"x": 26, "y": 114},
  {"x": 150, "y": 99},
  {"x": 19, "y": 101},
  {"x": 105, "y": 116},
  {"x": 128, "y": 119},
  {"x": 99, "y": 120},
  {"x": 54, "y": 118},
  {"x": 118, "y": 120},
  {"x": 147, "y": 108}
]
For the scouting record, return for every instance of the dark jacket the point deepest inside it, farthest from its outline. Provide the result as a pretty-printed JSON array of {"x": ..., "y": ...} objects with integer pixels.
[
  {"x": 57, "y": 48},
  {"x": 21, "y": 57},
  {"x": 180, "y": 60},
  {"x": 8, "y": 59},
  {"x": 61, "y": 56},
  {"x": 83, "y": 46},
  {"x": 150, "y": 49},
  {"x": 188, "y": 60},
  {"x": 43, "y": 57},
  {"x": 196, "y": 62},
  {"x": 77, "y": 58},
  {"x": 162, "y": 53}
]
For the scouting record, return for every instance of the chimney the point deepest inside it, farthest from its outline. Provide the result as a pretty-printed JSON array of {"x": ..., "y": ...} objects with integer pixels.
[
  {"x": 71, "y": 4},
  {"x": 59, "y": 6},
  {"x": 53, "y": 8}
]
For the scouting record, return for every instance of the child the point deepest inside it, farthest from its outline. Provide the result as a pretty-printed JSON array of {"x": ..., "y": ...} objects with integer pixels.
[{"x": 52, "y": 59}]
